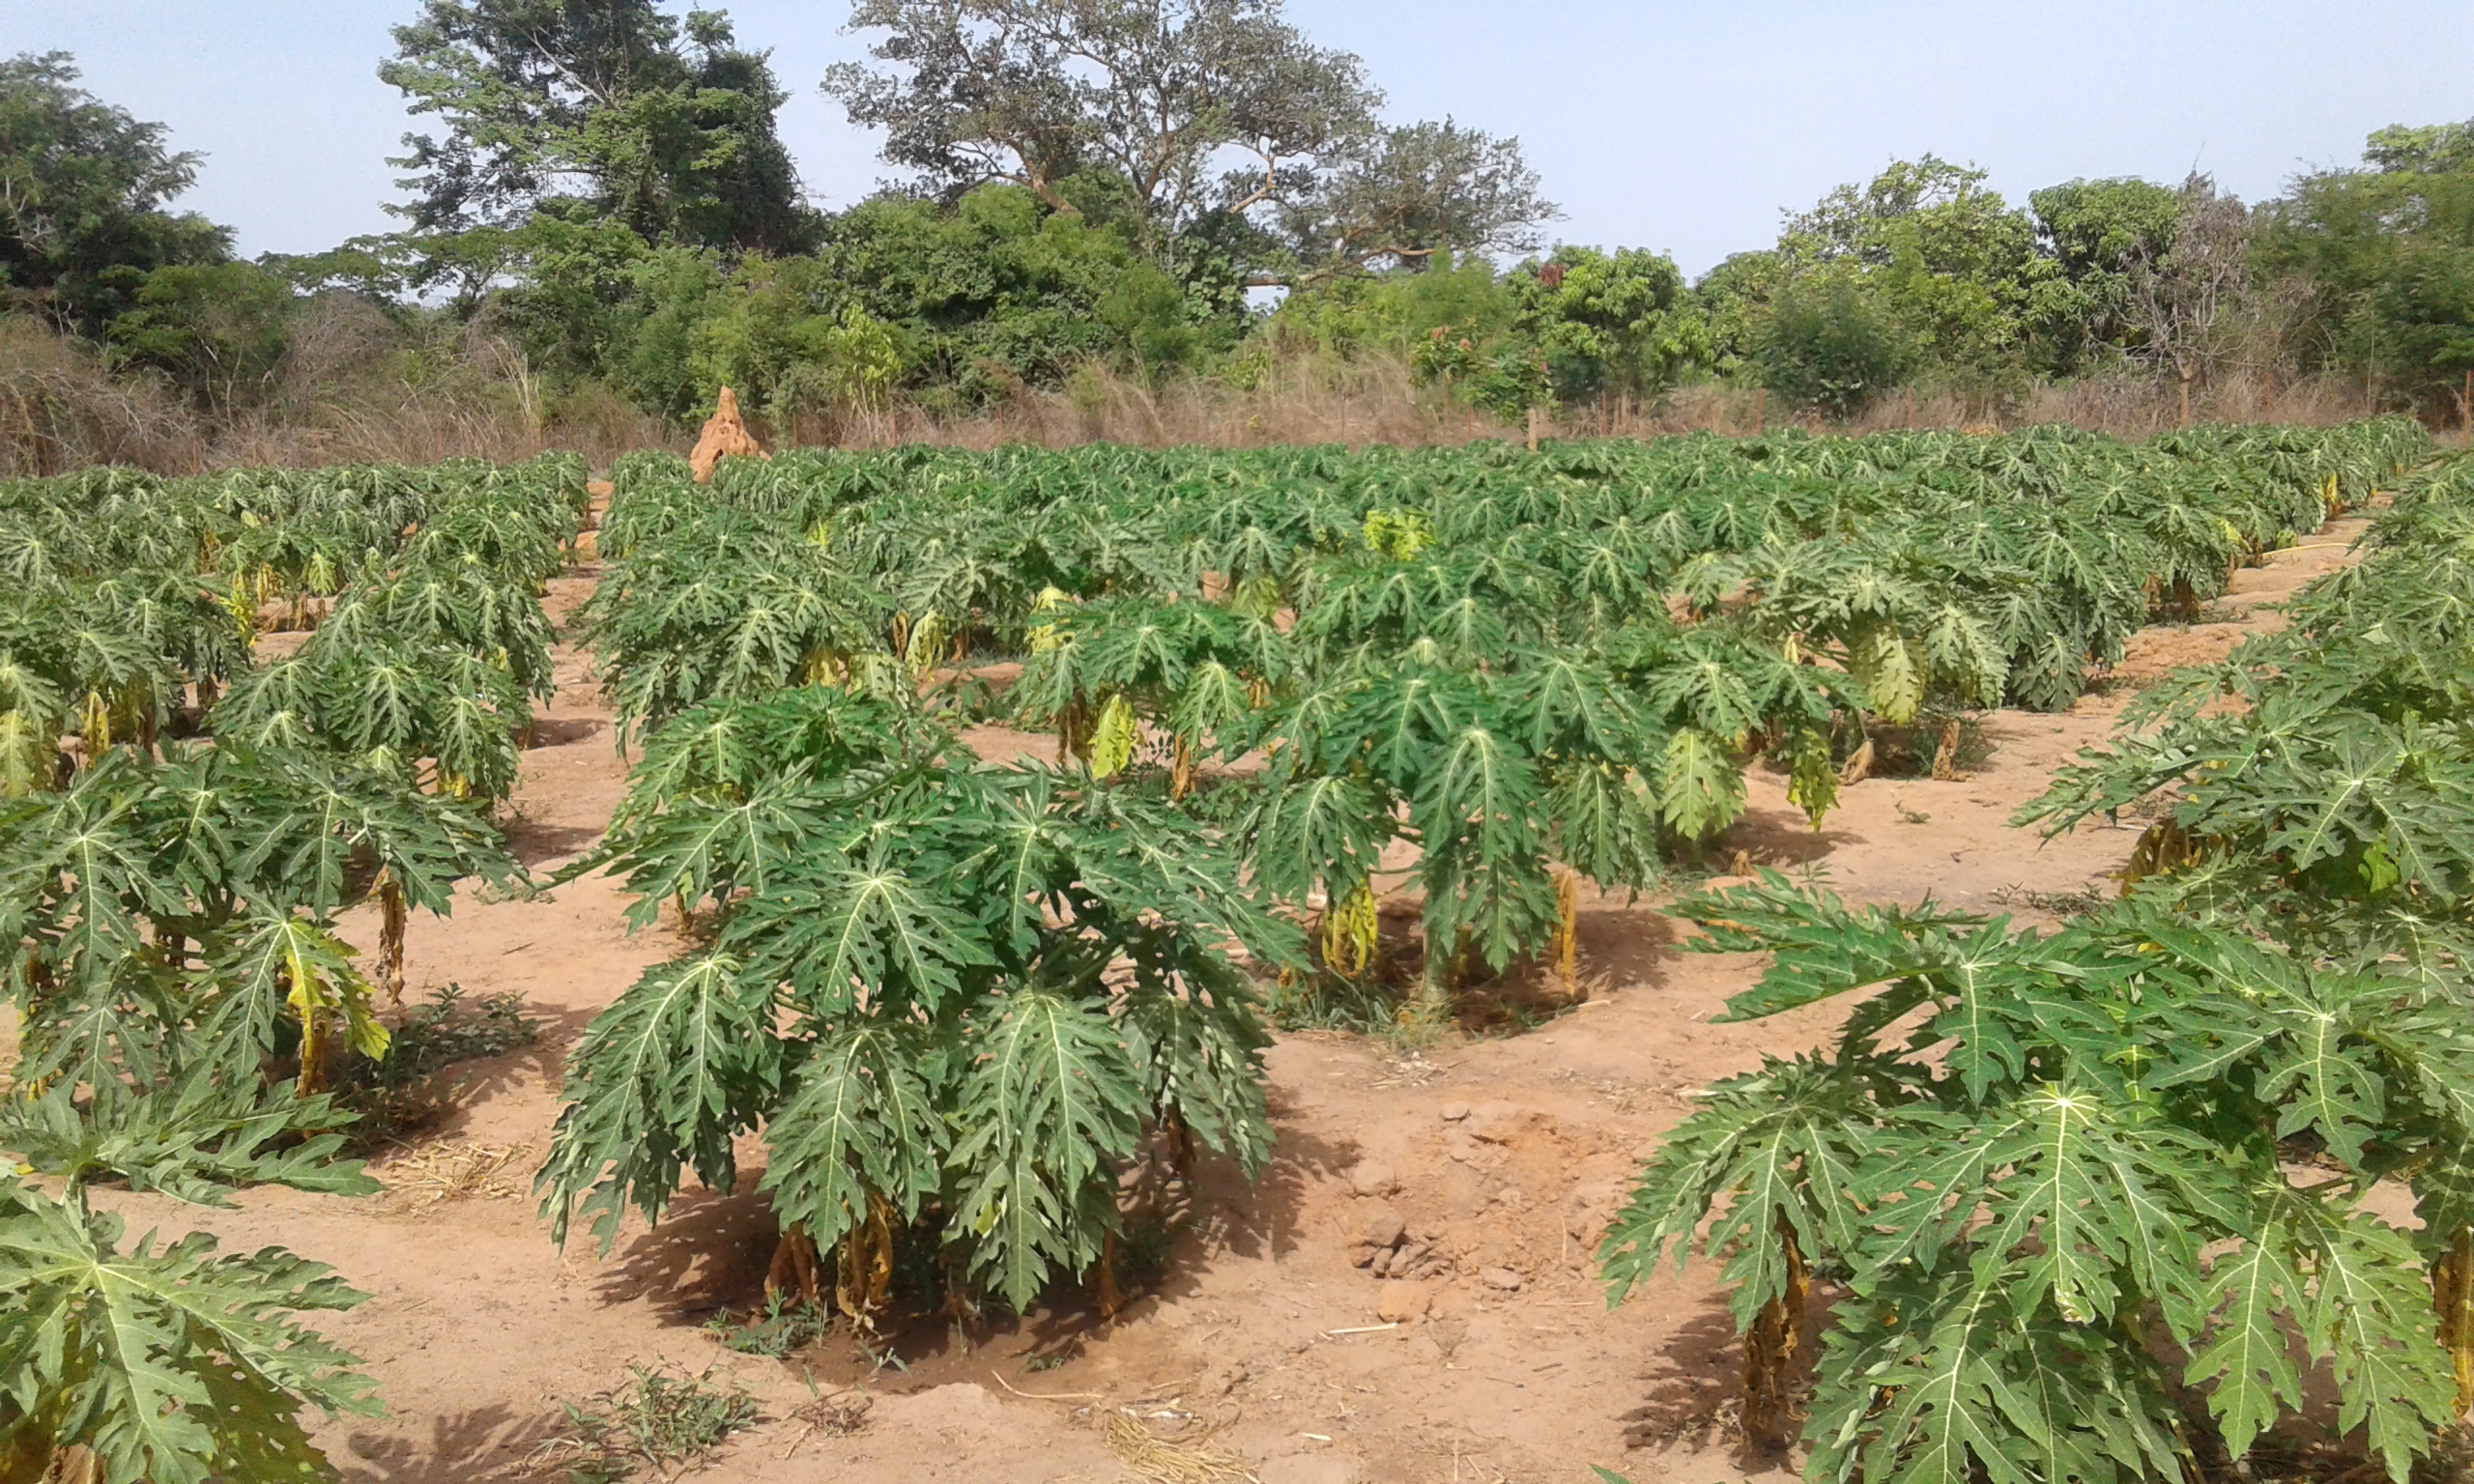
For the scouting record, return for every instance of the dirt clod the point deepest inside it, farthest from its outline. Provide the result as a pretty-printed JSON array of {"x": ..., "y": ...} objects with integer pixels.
[
  {"x": 1381, "y": 1227},
  {"x": 1373, "y": 1177},
  {"x": 1403, "y": 1303}
]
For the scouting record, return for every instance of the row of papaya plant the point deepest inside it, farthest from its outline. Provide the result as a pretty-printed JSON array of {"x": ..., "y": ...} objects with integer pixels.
[
  {"x": 1535, "y": 669},
  {"x": 2099, "y": 1203},
  {"x": 132, "y": 602},
  {"x": 181, "y": 829}
]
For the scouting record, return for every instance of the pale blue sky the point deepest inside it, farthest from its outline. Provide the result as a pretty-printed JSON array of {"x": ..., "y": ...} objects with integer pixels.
[{"x": 1678, "y": 127}]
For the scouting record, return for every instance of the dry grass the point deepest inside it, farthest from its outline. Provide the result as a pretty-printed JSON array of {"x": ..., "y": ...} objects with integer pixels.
[
  {"x": 1189, "y": 1460},
  {"x": 453, "y": 1170},
  {"x": 60, "y": 408},
  {"x": 354, "y": 388},
  {"x": 1311, "y": 399},
  {"x": 357, "y": 385}
]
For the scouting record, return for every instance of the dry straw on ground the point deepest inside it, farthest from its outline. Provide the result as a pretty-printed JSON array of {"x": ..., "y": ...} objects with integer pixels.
[
  {"x": 453, "y": 1170},
  {"x": 1189, "y": 1460}
]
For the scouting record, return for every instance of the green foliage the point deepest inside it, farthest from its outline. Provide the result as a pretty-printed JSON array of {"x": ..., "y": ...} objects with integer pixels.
[
  {"x": 1480, "y": 661},
  {"x": 670, "y": 123},
  {"x": 660, "y": 1417},
  {"x": 165, "y": 1361},
  {"x": 1827, "y": 343},
  {"x": 2326, "y": 809},
  {"x": 85, "y": 185},
  {"x": 1608, "y": 322},
  {"x": 2079, "y": 1141},
  {"x": 169, "y": 1361},
  {"x": 2389, "y": 251},
  {"x": 2063, "y": 1171},
  {"x": 2100, "y": 232},
  {"x": 1956, "y": 267},
  {"x": 170, "y": 904},
  {"x": 782, "y": 1327},
  {"x": 950, "y": 992},
  {"x": 218, "y": 330}
]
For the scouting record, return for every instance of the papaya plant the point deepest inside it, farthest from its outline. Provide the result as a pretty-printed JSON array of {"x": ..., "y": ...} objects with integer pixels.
[
  {"x": 170, "y": 1361},
  {"x": 2054, "y": 1169},
  {"x": 954, "y": 1000}
]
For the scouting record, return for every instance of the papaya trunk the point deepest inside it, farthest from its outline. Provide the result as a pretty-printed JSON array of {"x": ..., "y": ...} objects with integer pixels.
[
  {"x": 1181, "y": 1141},
  {"x": 1946, "y": 757},
  {"x": 2453, "y": 1293},
  {"x": 74, "y": 1464},
  {"x": 1110, "y": 1300},
  {"x": 390, "y": 936},
  {"x": 1770, "y": 1349},
  {"x": 313, "y": 1039},
  {"x": 1568, "y": 922},
  {"x": 1439, "y": 982},
  {"x": 1072, "y": 732},
  {"x": 1181, "y": 772}
]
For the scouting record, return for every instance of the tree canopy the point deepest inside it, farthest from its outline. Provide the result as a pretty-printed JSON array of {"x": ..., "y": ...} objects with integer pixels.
[
  {"x": 1213, "y": 119},
  {"x": 2387, "y": 252},
  {"x": 664, "y": 124},
  {"x": 84, "y": 189}
]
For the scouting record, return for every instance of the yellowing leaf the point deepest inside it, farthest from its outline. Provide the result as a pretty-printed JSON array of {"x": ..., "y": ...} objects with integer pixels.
[{"x": 1113, "y": 740}]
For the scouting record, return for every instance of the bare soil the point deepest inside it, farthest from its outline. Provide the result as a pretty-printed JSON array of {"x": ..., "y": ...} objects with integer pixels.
[{"x": 1503, "y": 1154}]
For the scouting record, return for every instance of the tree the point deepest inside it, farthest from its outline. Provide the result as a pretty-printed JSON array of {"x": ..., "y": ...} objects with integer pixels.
[
  {"x": 2432, "y": 149},
  {"x": 1165, "y": 94},
  {"x": 1607, "y": 321},
  {"x": 2386, "y": 254},
  {"x": 1403, "y": 195},
  {"x": 667, "y": 126},
  {"x": 83, "y": 185},
  {"x": 1955, "y": 265},
  {"x": 2097, "y": 232},
  {"x": 957, "y": 1000},
  {"x": 217, "y": 329},
  {"x": 2178, "y": 297},
  {"x": 1828, "y": 342},
  {"x": 1734, "y": 298}
]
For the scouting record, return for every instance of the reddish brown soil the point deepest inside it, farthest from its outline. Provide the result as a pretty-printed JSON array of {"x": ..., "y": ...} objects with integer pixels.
[{"x": 1508, "y": 1154}]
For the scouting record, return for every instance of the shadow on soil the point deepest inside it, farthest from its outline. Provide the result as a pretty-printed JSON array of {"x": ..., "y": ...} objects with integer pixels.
[{"x": 461, "y": 1446}]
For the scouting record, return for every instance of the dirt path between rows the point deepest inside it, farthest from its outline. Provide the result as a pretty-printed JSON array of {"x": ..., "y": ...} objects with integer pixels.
[{"x": 1504, "y": 1156}]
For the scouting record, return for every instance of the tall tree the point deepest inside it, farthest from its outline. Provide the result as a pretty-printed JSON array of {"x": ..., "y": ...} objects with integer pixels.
[
  {"x": 1194, "y": 105},
  {"x": 1401, "y": 196},
  {"x": 2179, "y": 294},
  {"x": 2097, "y": 232},
  {"x": 83, "y": 187},
  {"x": 2385, "y": 256},
  {"x": 1955, "y": 266},
  {"x": 663, "y": 125}
]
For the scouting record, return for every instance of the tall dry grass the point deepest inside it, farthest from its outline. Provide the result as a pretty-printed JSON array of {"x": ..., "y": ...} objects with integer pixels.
[
  {"x": 353, "y": 387},
  {"x": 1311, "y": 400},
  {"x": 356, "y": 386}
]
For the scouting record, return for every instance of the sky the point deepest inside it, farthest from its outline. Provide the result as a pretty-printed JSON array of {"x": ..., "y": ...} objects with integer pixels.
[{"x": 1684, "y": 127}]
